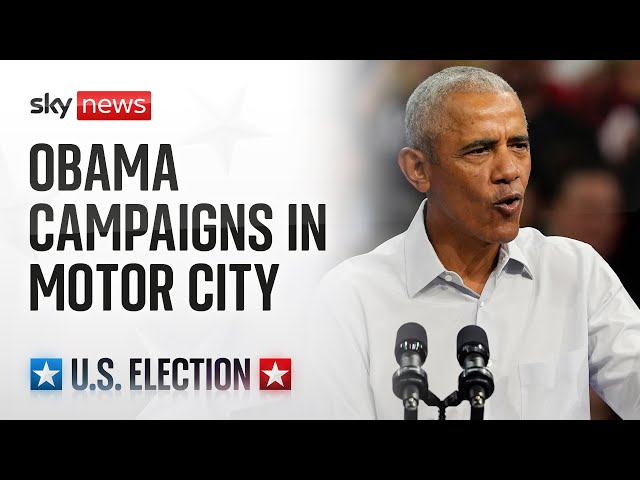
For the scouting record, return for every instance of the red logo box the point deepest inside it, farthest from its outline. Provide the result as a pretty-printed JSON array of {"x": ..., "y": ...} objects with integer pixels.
[
  {"x": 275, "y": 374},
  {"x": 114, "y": 105}
]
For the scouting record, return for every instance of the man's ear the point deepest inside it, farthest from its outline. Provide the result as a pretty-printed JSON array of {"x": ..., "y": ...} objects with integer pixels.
[{"x": 415, "y": 167}]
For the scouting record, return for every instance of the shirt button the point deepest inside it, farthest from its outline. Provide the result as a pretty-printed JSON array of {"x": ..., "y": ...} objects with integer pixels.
[
  {"x": 482, "y": 304},
  {"x": 448, "y": 278}
]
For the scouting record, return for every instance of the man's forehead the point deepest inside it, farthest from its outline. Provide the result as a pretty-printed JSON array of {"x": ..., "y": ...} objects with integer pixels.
[
  {"x": 478, "y": 103},
  {"x": 472, "y": 109}
]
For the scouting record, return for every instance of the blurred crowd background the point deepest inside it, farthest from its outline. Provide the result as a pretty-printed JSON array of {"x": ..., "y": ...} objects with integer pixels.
[{"x": 584, "y": 125}]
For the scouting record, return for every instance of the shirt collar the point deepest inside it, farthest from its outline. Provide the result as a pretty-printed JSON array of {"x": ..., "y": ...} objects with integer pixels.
[
  {"x": 421, "y": 262},
  {"x": 513, "y": 252},
  {"x": 422, "y": 265}
]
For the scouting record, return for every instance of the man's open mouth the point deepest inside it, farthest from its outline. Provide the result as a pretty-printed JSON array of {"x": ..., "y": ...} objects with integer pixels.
[{"x": 509, "y": 199}]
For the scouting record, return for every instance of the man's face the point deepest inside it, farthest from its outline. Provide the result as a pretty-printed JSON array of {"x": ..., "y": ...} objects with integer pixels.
[{"x": 483, "y": 159}]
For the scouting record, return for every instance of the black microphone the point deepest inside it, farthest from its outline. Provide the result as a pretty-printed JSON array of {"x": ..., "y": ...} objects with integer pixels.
[
  {"x": 475, "y": 382},
  {"x": 410, "y": 382}
]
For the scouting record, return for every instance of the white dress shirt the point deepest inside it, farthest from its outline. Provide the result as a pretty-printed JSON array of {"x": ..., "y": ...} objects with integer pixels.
[{"x": 556, "y": 316}]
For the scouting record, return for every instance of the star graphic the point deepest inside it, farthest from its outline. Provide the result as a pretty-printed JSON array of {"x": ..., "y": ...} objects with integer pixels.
[
  {"x": 274, "y": 374},
  {"x": 46, "y": 375},
  {"x": 226, "y": 127}
]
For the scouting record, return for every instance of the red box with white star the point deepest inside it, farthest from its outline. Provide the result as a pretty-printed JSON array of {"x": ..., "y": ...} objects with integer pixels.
[{"x": 275, "y": 374}]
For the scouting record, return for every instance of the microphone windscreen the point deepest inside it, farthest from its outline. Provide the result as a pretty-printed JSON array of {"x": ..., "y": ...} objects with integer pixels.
[
  {"x": 411, "y": 336},
  {"x": 472, "y": 335}
]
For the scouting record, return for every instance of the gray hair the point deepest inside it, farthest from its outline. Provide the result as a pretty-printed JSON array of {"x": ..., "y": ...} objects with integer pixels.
[{"x": 424, "y": 117}]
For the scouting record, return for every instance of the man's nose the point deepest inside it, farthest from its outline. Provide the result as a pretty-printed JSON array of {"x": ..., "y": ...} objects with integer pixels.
[{"x": 506, "y": 169}]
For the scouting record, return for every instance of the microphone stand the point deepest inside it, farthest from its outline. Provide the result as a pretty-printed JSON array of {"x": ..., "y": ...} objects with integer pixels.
[
  {"x": 477, "y": 413},
  {"x": 417, "y": 389},
  {"x": 411, "y": 404},
  {"x": 453, "y": 400},
  {"x": 477, "y": 404},
  {"x": 428, "y": 397},
  {"x": 411, "y": 409},
  {"x": 433, "y": 401}
]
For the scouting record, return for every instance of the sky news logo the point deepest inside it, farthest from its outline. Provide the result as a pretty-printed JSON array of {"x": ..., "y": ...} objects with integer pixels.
[
  {"x": 97, "y": 105},
  {"x": 163, "y": 374}
]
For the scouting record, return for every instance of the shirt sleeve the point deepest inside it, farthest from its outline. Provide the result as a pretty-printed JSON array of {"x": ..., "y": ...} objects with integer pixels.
[
  {"x": 614, "y": 341},
  {"x": 336, "y": 355}
]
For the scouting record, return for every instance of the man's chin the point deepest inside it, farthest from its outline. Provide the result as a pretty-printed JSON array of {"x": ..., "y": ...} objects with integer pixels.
[{"x": 504, "y": 235}]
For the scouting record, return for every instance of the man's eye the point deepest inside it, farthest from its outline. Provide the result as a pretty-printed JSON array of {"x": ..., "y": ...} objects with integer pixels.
[
  {"x": 521, "y": 146},
  {"x": 479, "y": 150}
]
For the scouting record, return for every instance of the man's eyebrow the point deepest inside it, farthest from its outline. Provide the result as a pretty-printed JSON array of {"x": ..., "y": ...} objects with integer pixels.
[
  {"x": 483, "y": 142},
  {"x": 490, "y": 143},
  {"x": 519, "y": 139}
]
